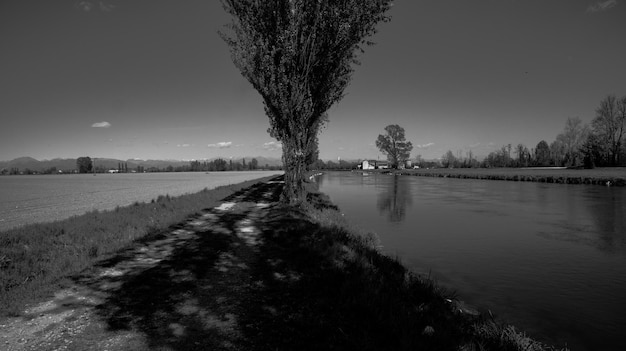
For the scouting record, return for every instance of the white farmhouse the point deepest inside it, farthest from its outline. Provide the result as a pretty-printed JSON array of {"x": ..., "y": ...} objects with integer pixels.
[{"x": 368, "y": 164}]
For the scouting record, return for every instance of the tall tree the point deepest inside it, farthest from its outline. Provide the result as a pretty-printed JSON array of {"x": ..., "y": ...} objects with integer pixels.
[
  {"x": 299, "y": 56},
  {"x": 621, "y": 115},
  {"x": 572, "y": 138},
  {"x": 522, "y": 155},
  {"x": 394, "y": 145},
  {"x": 84, "y": 164},
  {"x": 542, "y": 153},
  {"x": 557, "y": 152},
  {"x": 593, "y": 151},
  {"x": 448, "y": 159},
  {"x": 220, "y": 164},
  {"x": 609, "y": 126}
]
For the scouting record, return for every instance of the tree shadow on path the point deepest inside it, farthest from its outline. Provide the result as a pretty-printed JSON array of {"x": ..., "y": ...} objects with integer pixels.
[{"x": 252, "y": 275}]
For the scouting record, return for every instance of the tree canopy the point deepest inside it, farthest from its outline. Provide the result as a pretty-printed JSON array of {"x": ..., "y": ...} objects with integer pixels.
[
  {"x": 299, "y": 56},
  {"x": 394, "y": 145},
  {"x": 579, "y": 144},
  {"x": 84, "y": 164},
  {"x": 542, "y": 153},
  {"x": 609, "y": 126}
]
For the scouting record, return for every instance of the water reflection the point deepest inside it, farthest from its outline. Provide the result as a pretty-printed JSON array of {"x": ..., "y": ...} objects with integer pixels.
[
  {"x": 548, "y": 258},
  {"x": 607, "y": 208},
  {"x": 395, "y": 200},
  {"x": 590, "y": 216}
]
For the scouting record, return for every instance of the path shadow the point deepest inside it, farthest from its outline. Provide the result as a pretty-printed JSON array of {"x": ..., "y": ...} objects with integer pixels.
[
  {"x": 180, "y": 288},
  {"x": 251, "y": 275}
]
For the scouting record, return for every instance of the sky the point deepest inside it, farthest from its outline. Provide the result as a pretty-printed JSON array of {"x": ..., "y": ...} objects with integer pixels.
[{"x": 152, "y": 79}]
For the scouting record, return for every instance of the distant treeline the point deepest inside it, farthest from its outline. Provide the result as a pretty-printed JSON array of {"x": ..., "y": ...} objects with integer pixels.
[
  {"x": 86, "y": 165},
  {"x": 17, "y": 171},
  {"x": 331, "y": 165},
  {"x": 599, "y": 144},
  {"x": 219, "y": 165}
]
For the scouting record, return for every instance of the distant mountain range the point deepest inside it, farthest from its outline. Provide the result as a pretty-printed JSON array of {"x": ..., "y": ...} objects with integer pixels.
[{"x": 69, "y": 164}]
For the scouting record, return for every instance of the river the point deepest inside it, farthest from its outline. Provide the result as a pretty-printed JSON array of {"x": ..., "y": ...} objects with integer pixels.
[
  {"x": 30, "y": 199},
  {"x": 547, "y": 258}
]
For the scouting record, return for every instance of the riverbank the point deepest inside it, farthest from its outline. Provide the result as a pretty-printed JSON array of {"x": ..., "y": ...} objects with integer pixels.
[
  {"x": 252, "y": 274},
  {"x": 598, "y": 176}
]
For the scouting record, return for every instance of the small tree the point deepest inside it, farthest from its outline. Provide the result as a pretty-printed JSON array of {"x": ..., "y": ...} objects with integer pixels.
[
  {"x": 84, "y": 164},
  {"x": 557, "y": 152},
  {"x": 522, "y": 155},
  {"x": 448, "y": 159},
  {"x": 220, "y": 164},
  {"x": 572, "y": 138},
  {"x": 299, "y": 55},
  {"x": 394, "y": 145},
  {"x": 593, "y": 152},
  {"x": 542, "y": 153},
  {"x": 610, "y": 126}
]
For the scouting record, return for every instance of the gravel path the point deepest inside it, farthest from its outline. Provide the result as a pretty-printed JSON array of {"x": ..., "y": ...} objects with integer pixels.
[{"x": 182, "y": 290}]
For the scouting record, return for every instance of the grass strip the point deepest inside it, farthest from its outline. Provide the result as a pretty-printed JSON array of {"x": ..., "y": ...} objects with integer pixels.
[
  {"x": 600, "y": 176},
  {"x": 34, "y": 259}
]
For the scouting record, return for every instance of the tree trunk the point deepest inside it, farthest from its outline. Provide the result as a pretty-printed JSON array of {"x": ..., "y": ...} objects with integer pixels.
[{"x": 295, "y": 167}]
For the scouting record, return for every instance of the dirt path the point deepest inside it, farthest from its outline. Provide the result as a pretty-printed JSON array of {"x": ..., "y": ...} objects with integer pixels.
[
  {"x": 250, "y": 275},
  {"x": 189, "y": 288}
]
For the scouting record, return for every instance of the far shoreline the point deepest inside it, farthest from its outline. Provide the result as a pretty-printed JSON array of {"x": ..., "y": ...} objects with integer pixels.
[{"x": 597, "y": 176}]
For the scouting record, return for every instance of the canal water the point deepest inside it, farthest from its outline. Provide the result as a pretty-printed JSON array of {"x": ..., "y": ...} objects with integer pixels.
[{"x": 547, "y": 258}]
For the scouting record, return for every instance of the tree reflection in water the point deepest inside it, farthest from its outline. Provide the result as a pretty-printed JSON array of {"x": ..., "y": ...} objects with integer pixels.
[
  {"x": 607, "y": 209},
  {"x": 395, "y": 200}
]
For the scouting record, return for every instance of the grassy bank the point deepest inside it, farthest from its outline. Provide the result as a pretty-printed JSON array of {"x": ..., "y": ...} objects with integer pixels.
[
  {"x": 599, "y": 176},
  {"x": 35, "y": 258}
]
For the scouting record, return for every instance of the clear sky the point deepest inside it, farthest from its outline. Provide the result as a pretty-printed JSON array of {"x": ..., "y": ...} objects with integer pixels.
[{"x": 151, "y": 79}]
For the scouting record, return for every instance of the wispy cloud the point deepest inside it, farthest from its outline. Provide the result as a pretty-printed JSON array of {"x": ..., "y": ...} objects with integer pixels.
[
  {"x": 424, "y": 146},
  {"x": 183, "y": 145},
  {"x": 600, "y": 6},
  {"x": 475, "y": 145},
  {"x": 88, "y": 6},
  {"x": 272, "y": 146},
  {"x": 221, "y": 145},
  {"x": 102, "y": 124}
]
